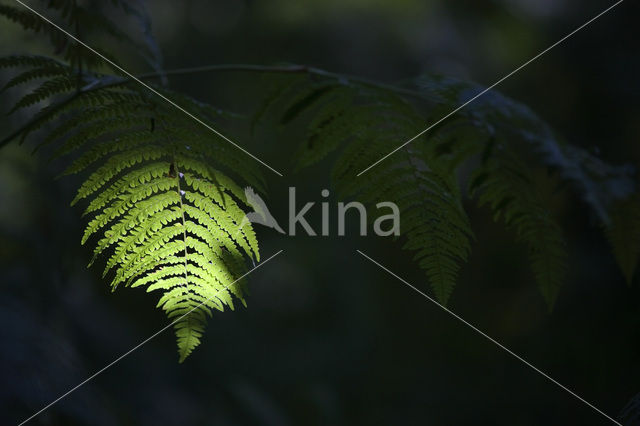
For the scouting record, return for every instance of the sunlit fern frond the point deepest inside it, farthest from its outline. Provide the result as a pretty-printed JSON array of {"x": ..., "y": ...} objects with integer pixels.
[{"x": 162, "y": 205}]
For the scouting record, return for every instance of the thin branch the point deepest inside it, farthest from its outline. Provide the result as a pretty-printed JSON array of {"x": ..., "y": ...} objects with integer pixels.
[
  {"x": 276, "y": 69},
  {"x": 282, "y": 69}
]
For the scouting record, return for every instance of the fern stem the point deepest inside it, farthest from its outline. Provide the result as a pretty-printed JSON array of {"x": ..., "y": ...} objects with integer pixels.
[
  {"x": 282, "y": 69},
  {"x": 184, "y": 224},
  {"x": 216, "y": 68}
]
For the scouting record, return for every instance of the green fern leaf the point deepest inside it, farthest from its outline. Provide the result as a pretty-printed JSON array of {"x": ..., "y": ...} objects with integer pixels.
[
  {"x": 361, "y": 123},
  {"x": 506, "y": 185},
  {"x": 164, "y": 216}
]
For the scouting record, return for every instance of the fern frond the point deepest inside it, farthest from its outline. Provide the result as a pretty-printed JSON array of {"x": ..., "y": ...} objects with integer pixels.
[
  {"x": 326, "y": 129},
  {"x": 502, "y": 140},
  {"x": 162, "y": 209},
  {"x": 25, "y": 18},
  {"x": 47, "y": 90},
  {"x": 361, "y": 123},
  {"x": 506, "y": 185},
  {"x": 35, "y": 74}
]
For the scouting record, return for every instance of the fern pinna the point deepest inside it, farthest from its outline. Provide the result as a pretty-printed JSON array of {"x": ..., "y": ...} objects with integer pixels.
[
  {"x": 163, "y": 216},
  {"x": 491, "y": 150}
]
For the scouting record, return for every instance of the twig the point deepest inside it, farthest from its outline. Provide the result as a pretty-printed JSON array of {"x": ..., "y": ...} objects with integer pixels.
[
  {"x": 284, "y": 69},
  {"x": 276, "y": 69}
]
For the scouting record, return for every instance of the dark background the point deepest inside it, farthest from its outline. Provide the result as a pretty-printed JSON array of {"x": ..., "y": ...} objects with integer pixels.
[{"x": 328, "y": 338}]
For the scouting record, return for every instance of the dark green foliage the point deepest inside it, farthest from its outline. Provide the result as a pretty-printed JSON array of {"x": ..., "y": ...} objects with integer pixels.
[
  {"x": 83, "y": 19},
  {"x": 502, "y": 142},
  {"x": 507, "y": 186}
]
